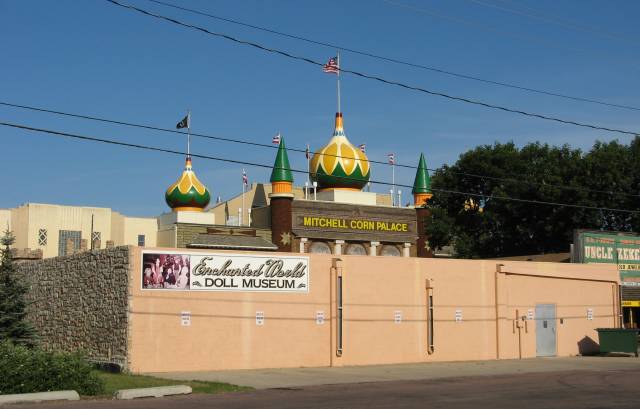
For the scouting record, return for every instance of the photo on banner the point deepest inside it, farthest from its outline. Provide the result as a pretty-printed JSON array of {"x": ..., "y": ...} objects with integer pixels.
[{"x": 166, "y": 271}]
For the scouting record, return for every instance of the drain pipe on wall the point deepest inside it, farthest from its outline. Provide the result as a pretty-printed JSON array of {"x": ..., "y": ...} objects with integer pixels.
[
  {"x": 498, "y": 271},
  {"x": 430, "y": 318},
  {"x": 337, "y": 306}
]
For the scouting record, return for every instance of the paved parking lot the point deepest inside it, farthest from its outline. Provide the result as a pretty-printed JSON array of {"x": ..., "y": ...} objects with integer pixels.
[
  {"x": 543, "y": 390},
  {"x": 528, "y": 384},
  {"x": 296, "y": 377}
]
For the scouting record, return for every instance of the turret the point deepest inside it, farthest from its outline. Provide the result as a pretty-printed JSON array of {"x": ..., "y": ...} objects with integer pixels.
[
  {"x": 421, "y": 195},
  {"x": 281, "y": 198},
  {"x": 422, "y": 184}
]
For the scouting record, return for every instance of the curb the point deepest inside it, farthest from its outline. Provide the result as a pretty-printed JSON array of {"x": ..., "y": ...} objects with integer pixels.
[
  {"x": 39, "y": 397},
  {"x": 156, "y": 392}
]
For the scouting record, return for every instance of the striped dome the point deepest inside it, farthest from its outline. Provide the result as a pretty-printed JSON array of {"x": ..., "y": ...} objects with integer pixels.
[
  {"x": 339, "y": 164},
  {"x": 188, "y": 193}
]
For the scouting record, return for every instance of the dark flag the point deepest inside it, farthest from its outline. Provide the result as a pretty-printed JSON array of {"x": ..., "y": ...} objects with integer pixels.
[{"x": 185, "y": 123}]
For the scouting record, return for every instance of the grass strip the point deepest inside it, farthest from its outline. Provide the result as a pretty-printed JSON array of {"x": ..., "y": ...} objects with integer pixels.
[{"x": 116, "y": 381}]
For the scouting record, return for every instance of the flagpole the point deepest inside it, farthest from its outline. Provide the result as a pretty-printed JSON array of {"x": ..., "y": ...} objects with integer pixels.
[
  {"x": 338, "y": 61},
  {"x": 393, "y": 179},
  {"x": 189, "y": 132},
  {"x": 242, "y": 212},
  {"x": 308, "y": 154}
]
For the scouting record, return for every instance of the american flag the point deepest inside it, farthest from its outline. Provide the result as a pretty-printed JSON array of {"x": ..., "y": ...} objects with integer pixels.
[
  {"x": 392, "y": 158},
  {"x": 276, "y": 139},
  {"x": 363, "y": 148},
  {"x": 331, "y": 66},
  {"x": 245, "y": 179}
]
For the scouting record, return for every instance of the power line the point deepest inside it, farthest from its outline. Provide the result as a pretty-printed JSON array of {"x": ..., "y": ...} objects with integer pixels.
[
  {"x": 557, "y": 21},
  {"x": 227, "y": 160},
  {"x": 395, "y": 60},
  {"x": 376, "y": 78},
  {"x": 502, "y": 32},
  {"x": 293, "y": 149}
]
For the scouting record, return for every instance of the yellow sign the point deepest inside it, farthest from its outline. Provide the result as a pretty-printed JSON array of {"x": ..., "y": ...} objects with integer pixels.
[
  {"x": 354, "y": 224},
  {"x": 631, "y": 303},
  {"x": 627, "y": 267}
]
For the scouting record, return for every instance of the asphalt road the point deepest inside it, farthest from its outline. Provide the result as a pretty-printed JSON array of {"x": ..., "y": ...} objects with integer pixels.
[{"x": 571, "y": 389}]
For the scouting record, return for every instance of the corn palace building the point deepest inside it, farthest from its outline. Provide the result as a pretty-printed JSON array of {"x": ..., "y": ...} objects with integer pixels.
[{"x": 334, "y": 277}]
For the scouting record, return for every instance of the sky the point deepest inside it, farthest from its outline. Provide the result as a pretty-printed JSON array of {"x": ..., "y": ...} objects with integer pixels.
[{"x": 93, "y": 58}]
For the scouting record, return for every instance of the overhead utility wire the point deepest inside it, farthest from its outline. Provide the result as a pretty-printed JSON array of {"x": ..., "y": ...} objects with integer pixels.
[
  {"x": 245, "y": 142},
  {"x": 152, "y": 148},
  {"x": 394, "y": 60},
  {"x": 556, "y": 21},
  {"x": 501, "y": 32},
  {"x": 375, "y": 78}
]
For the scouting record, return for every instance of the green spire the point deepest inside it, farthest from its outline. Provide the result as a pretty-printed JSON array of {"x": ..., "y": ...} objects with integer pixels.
[
  {"x": 422, "y": 184},
  {"x": 281, "y": 168}
]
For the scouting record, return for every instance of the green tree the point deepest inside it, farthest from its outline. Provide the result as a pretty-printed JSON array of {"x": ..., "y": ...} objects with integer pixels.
[
  {"x": 440, "y": 228},
  {"x": 491, "y": 227},
  {"x": 14, "y": 325}
]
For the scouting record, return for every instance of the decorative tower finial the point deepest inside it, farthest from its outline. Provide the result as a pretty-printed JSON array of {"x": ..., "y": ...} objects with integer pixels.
[
  {"x": 422, "y": 184},
  {"x": 339, "y": 164},
  {"x": 281, "y": 176},
  {"x": 188, "y": 193}
]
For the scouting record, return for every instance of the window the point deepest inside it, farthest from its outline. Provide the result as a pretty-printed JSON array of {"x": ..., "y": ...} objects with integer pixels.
[
  {"x": 141, "y": 240},
  {"x": 319, "y": 247},
  {"x": 63, "y": 236},
  {"x": 42, "y": 237},
  {"x": 356, "y": 249},
  {"x": 389, "y": 250}
]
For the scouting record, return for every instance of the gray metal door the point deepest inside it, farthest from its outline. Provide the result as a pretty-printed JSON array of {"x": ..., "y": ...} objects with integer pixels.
[{"x": 545, "y": 330}]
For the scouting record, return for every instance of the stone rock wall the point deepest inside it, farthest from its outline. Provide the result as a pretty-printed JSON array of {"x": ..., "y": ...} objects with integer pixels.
[{"x": 80, "y": 302}]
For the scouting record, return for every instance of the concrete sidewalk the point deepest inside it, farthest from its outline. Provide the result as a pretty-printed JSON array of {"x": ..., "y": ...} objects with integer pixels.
[{"x": 297, "y": 377}]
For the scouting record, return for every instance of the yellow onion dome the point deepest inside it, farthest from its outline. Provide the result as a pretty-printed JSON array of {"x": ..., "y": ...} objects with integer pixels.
[
  {"x": 188, "y": 193},
  {"x": 339, "y": 164}
]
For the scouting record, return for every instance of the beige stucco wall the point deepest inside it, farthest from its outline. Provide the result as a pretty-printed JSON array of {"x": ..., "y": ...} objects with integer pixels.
[
  {"x": 133, "y": 226},
  {"x": 5, "y": 220},
  {"x": 31, "y": 217},
  {"x": 20, "y": 226},
  {"x": 251, "y": 199},
  {"x": 224, "y": 335},
  {"x": 167, "y": 237},
  {"x": 28, "y": 219}
]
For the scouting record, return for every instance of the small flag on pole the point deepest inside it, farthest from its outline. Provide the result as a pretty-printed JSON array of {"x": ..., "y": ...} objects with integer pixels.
[
  {"x": 392, "y": 158},
  {"x": 363, "y": 148},
  {"x": 276, "y": 139},
  {"x": 331, "y": 66},
  {"x": 307, "y": 152},
  {"x": 185, "y": 123},
  {"x": 245, "y": 179}
]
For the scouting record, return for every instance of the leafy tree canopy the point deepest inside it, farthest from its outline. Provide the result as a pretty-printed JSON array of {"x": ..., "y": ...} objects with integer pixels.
[{"x": 484, "y": 226}]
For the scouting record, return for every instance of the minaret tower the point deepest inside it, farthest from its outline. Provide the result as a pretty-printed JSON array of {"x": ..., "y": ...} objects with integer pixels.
[
  {"x": 281, "y": 198},
  {"x": 421, "y": 195}
]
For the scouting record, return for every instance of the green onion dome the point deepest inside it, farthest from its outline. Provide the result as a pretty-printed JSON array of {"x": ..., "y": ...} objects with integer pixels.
[
  {"x": 188, "y": 193},
  {"x": 339, "y": 164}
]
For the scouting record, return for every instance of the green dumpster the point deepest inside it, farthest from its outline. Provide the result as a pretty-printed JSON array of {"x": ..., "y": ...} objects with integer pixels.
[{"x": 618, "y": 340}]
